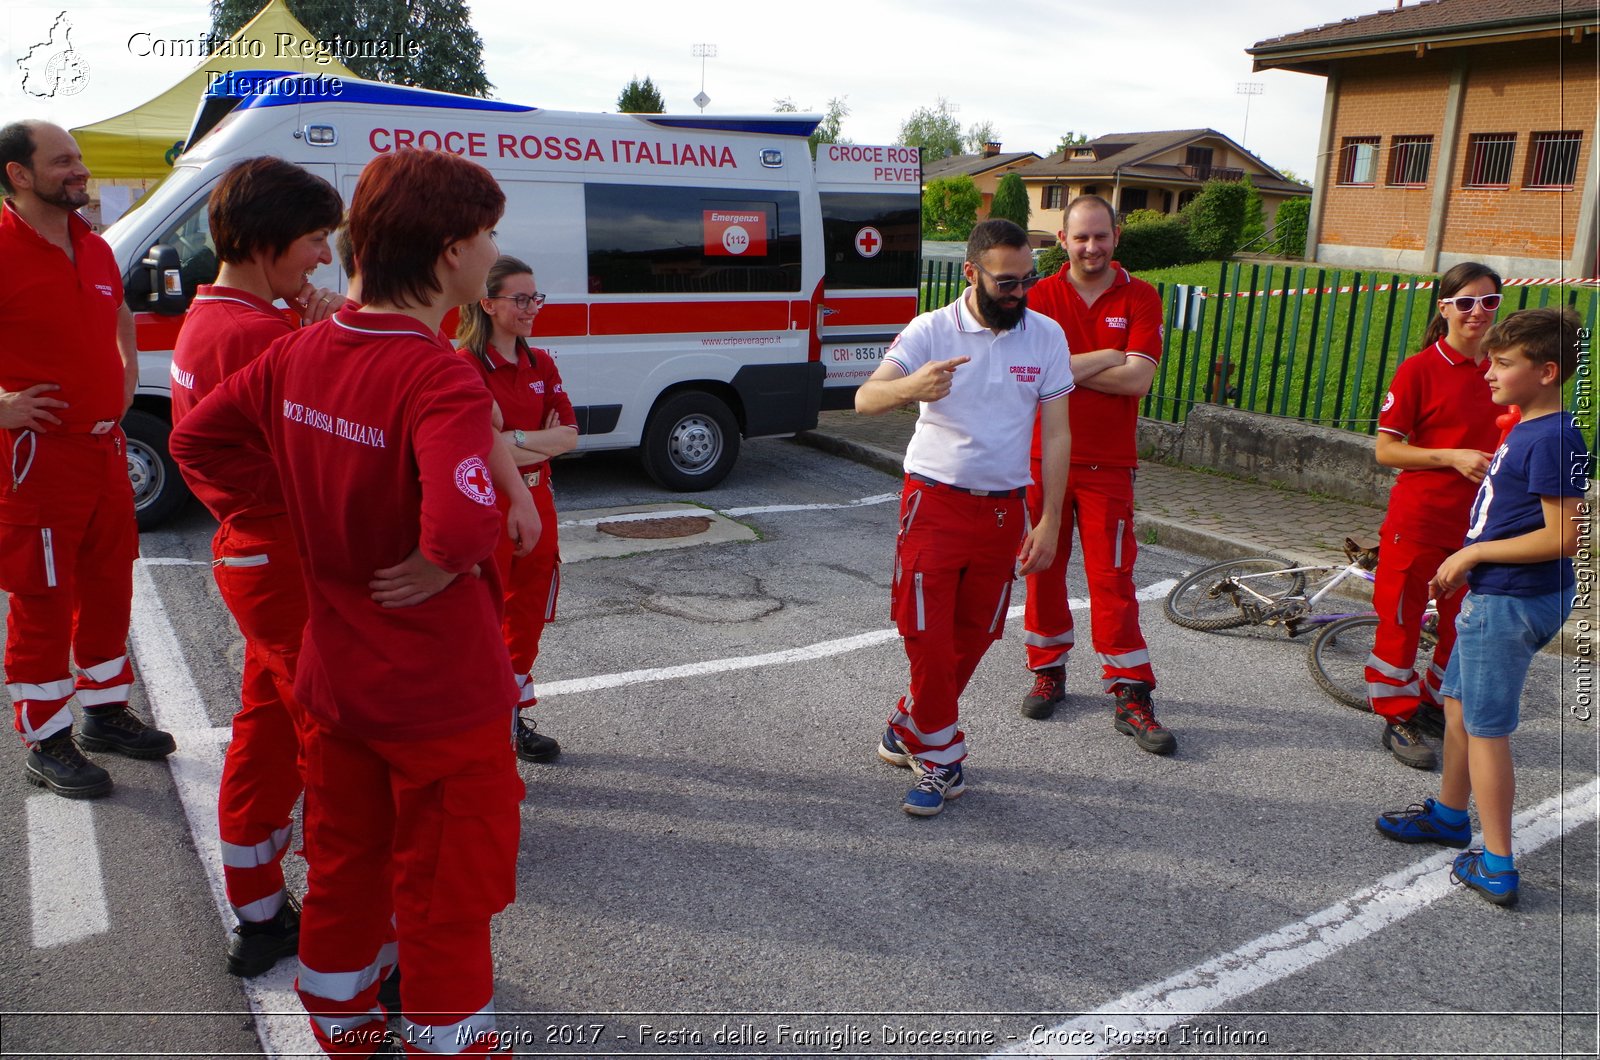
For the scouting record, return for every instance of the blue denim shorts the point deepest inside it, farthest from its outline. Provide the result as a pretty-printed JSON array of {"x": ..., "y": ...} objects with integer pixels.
[{"x": 1496, "y": 638}]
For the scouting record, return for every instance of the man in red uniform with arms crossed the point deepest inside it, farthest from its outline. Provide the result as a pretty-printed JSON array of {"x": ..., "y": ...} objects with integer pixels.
[
  {"x": 1113, "y": 326},
  {"x": 68, "y": 368}
]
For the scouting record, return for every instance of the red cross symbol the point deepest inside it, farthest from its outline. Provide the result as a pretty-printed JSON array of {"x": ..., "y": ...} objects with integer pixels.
[
  {"x": 478, "y": 479},
  {"x": 868, "y": 242}
]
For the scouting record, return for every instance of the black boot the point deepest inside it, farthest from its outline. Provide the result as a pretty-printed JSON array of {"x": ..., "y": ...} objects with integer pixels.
[
  {"x": 116, "y": 728},
  {"x": 256, "y": 946},
  {"x": 57, "y": 764},
  {"x": 532, "y": 745}
]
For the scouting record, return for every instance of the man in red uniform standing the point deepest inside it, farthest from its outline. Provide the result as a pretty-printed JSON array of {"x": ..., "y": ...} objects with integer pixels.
[
  {"x": 380, "y": 436},
  {"x": 1113, "y": 326},
  {"x": 270, "y": 222},
  {"x": 68, "y": 368}
]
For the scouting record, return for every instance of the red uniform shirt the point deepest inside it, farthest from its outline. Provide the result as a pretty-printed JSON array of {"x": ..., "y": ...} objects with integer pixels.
[
  {"x": 380, "y": 437},
  {"x": 1126, "y": 316},
  {"x": 58, "y": 320},
  {"x": 525, "y": 392},
  {"x": 1438, "y": 400},
  {"x": 225, "y": 330}
]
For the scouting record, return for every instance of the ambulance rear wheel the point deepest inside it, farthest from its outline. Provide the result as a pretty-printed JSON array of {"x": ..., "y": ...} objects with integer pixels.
[
  {"x": 691, "y": 442},
  {"x": 158, "y": 490}
]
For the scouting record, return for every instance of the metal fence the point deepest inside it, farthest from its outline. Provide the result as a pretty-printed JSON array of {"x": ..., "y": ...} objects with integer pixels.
[{"x": 1310, "y": 343}]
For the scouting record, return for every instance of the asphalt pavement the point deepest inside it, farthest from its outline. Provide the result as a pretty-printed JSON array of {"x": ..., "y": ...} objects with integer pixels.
[{"x": 717, "y": 865}]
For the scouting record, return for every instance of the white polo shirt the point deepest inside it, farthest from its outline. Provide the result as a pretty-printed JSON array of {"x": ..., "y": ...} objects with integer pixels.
[{"x": 978, "y": 435}]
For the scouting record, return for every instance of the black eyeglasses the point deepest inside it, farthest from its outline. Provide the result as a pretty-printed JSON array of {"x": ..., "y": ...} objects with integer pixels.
[
  {"x": 1007, "y": 286},
  {"x": 1466, "y": 303},
  {"x": 523, "y": 301}
]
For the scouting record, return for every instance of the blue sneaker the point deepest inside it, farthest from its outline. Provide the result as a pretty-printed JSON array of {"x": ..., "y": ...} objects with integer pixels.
[
  {"x": 937, "y": 784},
  {"x": 1417, "y": 824},
  {"x": 892, "y": 750},
  {"x": 1498, "y": 887}
]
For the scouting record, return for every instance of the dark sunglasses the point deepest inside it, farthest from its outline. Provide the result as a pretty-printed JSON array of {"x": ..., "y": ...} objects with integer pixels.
[
  {"x": 1007, "y": 286},
  {"x": 1466, "y": 303}
]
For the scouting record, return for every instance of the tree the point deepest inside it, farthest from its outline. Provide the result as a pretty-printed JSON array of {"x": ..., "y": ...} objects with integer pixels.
[
  {"x": 1216, "y": 217},
  {"x": 828, "y": 129},
  {"x": 1071, "y": 139},
  {"x": 933, "y": 129},
  {"x": 1255, "y": 218},
  {"x": 979, "y": 134},
  {"x": 1011, "y": 200},
  {"x": 1290, "y": 224},
  {"x": 426, "y": 43},
  {"x": 641, "y": 97},
  {"x": 950, "y": 207}
]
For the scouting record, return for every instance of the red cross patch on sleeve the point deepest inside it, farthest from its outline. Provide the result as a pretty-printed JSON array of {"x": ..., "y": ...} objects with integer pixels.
[{"x": 472, "y": 478}]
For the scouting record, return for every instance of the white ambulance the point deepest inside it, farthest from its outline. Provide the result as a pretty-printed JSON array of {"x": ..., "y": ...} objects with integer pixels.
[{"x": 706, "y": 279}]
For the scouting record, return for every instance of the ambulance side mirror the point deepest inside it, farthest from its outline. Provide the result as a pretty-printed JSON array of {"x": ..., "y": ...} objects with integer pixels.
[{"x": 165, "y": 281}]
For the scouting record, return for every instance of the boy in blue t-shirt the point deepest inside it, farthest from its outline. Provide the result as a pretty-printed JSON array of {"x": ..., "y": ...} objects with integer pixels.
[{"x": 1523, "y": 527}]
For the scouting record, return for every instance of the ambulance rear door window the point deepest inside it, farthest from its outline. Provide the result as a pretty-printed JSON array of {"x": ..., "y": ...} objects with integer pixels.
[
  {"x": 871, "y": 240},
  {"x": 672, "y": 240}
]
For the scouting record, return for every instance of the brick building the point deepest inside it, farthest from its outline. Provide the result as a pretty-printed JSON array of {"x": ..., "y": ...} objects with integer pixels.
[
  {"x": 1455, "y": 130},
  {"x": 1148, "y": 171}
]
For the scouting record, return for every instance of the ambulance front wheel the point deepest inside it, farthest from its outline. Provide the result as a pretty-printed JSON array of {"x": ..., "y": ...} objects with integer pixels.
[
  {"x": 158, "y": 489},
  {"x": 691, "y": 442}
]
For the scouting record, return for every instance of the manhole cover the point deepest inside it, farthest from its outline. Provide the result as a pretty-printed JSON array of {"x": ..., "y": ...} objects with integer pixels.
[{"x": 657, "y": 529}]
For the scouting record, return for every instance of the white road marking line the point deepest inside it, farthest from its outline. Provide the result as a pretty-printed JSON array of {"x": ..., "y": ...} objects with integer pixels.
[
  {"x": 175, "y": 702},
  {"x": 806, "y": 653},
  {"x": 1295, "y": 947},
  {"x": 67, "y": 891},
  {"x": 762, "y": 509},
  {"x": 170, "y": 561}
]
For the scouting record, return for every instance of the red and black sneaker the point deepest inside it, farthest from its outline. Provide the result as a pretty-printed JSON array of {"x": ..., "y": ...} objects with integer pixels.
[
  {"x": 1049, "y": 692},
  {"x": 1136, "y": 716}
]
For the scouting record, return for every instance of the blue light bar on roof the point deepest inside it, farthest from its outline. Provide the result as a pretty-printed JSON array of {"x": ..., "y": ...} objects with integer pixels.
[
  {"x": 272, "y": 88},
  {"x": 777, "y": 125}
]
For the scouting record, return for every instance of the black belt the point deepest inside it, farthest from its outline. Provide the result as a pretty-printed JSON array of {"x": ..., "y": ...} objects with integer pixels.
[{"x": 1020, "y": 491}]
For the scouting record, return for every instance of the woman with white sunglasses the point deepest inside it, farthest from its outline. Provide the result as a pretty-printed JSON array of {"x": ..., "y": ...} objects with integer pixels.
[{"x": 1437, "y": 426}]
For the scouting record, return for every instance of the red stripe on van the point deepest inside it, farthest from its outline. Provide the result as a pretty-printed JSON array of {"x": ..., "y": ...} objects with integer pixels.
[
  {"x": 561, "y": 320},
  {"x": 849, "y": 312},
  {"x": 675, "y": 318},
  {"x": 156, "y": 331}
]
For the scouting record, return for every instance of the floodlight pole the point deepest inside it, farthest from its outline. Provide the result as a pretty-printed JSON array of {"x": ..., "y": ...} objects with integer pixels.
[
  {"x": 1248, "y": 89},
  {"x": 703, "y": 52}
]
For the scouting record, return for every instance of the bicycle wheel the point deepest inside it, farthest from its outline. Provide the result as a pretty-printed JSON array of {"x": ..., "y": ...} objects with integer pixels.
[
  {"x": 1215, "y": 597},
  {"x": 1338, "y": 654}
]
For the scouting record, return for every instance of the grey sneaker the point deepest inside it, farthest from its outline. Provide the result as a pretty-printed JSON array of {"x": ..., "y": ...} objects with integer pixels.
[{"x": 1404, "y": 740}]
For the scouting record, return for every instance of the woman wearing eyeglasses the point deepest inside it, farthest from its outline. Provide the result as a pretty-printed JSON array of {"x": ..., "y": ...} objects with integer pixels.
[
  {"x": 1437, "y": 425},
  {"x": 536, "y": 420}
]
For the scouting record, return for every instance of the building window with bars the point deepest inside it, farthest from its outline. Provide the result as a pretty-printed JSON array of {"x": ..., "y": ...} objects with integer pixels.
[
  {"x": 1489, "y": 159},
  {"x": 1051, "y": 200},
  {"x": 1358, "y": 160},
  {"x": 1553, "y": 159},
  {"x": 1409, "y": 157}
]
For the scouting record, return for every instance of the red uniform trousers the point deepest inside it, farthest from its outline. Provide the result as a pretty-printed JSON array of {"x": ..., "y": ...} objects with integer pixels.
[
  {"x": 532, "y": 584},
  {"x": 1400, "y": 596},
  {"x": 954, "y": 563},
  {"x": 1099, "y": 501},
  {"x": 67, "y": 545},
  {"x": 424, "y": 832},
  {"x": 258, "y": 573}
]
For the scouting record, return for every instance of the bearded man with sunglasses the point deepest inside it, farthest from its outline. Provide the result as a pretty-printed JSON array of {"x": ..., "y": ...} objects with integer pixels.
[
  {"x": 1113, "y": 327},
  {"x": 982, "y": 370}
]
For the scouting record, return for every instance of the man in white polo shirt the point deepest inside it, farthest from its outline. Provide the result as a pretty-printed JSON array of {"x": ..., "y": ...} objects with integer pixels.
[{"x": 981, "y": 368}]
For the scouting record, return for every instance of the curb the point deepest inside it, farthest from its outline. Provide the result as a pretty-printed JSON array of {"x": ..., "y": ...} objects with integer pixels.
[{"x": 1169, "y": 533}]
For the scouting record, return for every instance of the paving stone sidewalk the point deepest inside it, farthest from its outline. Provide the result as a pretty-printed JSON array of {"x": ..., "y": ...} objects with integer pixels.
[{"x": 1195, "y": 511}]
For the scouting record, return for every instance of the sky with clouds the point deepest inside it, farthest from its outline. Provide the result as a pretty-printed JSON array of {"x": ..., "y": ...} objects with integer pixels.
[{"x": 1033, "y": 68}]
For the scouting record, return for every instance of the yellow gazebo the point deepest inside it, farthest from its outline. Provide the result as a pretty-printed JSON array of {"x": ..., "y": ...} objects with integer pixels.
[{"x": 137, "y": 147}]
